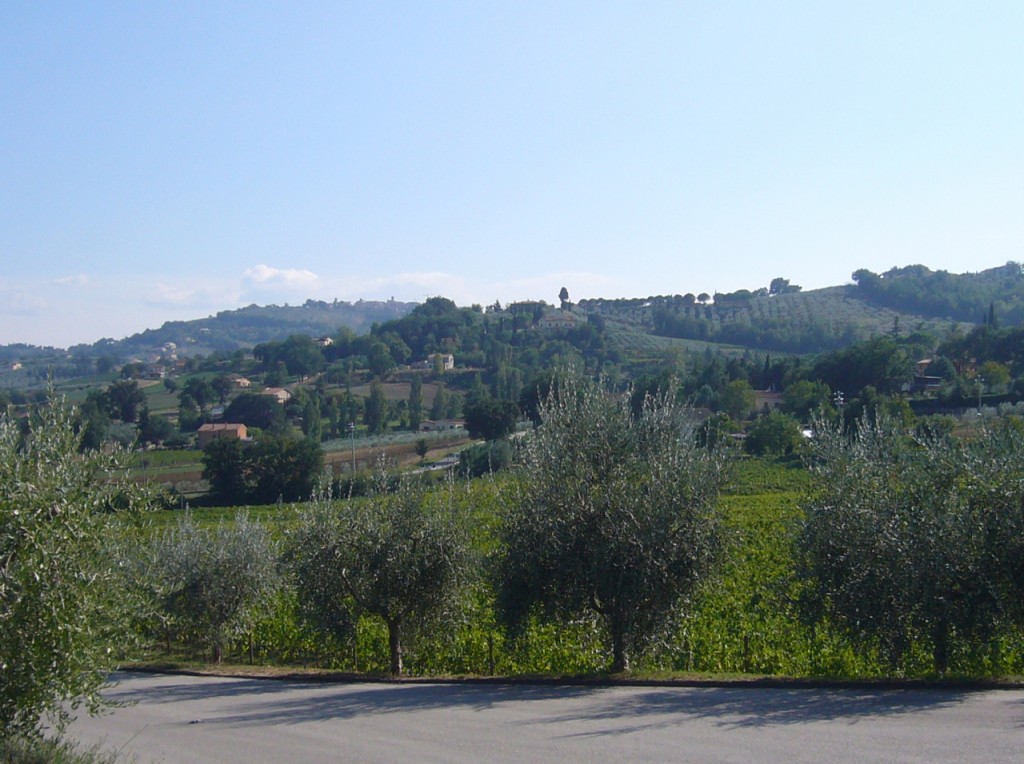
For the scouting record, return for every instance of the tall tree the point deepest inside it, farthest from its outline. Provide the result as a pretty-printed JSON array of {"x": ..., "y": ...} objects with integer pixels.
[
  {"x": 614, "y": 515},
  {"x": 375, "y": 410},
  {"x": 125, "y": 399},
  {"x": 312, "y": 423},
  {"x": 415, "y": 402},
  {"x": 490, "y": 418},
  {"x": 285, "y": 469},
  {"x": 439, "y": 406},
  {"x": 226, "y": 469},
  {"x": 256, "y": 410}
]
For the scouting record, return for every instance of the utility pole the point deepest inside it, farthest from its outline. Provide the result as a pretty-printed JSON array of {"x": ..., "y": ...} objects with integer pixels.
[{"x": 352, "y": 437}]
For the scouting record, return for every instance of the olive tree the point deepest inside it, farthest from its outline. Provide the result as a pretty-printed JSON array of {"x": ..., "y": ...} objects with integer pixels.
[
  {"x": 911, "y": 540},
  {"x": 213, "y": 582},
  {"x": 64, "y": 618},
  {"x": 402, "y": 557},
  {"x": 614, "y": 514}
]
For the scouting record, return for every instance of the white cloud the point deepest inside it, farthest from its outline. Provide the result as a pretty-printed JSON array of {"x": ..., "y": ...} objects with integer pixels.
[
  {"x": 76, "y": 279},
  {"x": 180, "y": 295},
  {"x": 294, "y": 278}
]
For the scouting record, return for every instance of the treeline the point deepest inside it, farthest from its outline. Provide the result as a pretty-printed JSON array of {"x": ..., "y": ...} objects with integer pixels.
[{"x": 991, "y": 296}]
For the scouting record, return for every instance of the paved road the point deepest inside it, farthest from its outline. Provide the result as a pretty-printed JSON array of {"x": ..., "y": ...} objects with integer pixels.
[{"x": 190, "y": 719}]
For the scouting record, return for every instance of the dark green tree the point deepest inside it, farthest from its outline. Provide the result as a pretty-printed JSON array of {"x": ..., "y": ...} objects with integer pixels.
[
  {"x": 774, "y": 434},
  {"x": 226, "y": 468},
  {"x": 737, "y": 399},
  {"x": 285, "y": 469},
  {"x": 94, "y": 420},
  {"x": 222, "y": 387},
  {"x": 312, "y": 423},
  {"x": 439, "y": 406},
  {"x": 415, "y": 402},
  {"x": 422, "y": 448},
  {"x": 125, "y": 399},
  {"x": 154, "y": 428},
  {"x": 256, "y": 410},
  {"x": 490, "y": 418},
  {"x": 199, "y": 390},
  {"x": 380, "y": 360},
  {"x": 804, "y": 397},
  {"x": 375, "y": 410}
]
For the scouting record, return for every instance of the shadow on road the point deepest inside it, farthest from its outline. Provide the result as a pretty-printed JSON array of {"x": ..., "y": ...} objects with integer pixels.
[
  {"x": 761, "y": 707},
  {"x": 259, "y": 701}
]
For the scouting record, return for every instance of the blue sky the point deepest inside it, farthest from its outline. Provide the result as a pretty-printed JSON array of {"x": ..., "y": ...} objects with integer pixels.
[{"x": 165, "y": 161}]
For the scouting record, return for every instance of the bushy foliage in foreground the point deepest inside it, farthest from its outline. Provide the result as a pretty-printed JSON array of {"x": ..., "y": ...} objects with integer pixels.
[
  {"x": 32, "y": 750},
  {"x": 909, "y": 542},
  {"x": 213, "y": 583},
  {"x": 64, "y": 613}
]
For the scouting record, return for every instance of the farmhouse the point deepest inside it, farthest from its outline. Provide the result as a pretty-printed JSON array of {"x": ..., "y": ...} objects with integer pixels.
[
  {"x": 210, "y": 432},
  {"x": 558, "y": 320},
  {"x": 767, "y": 400},
  {"x": 280, "y": 394},
  {"x": 441, "y": 361}
]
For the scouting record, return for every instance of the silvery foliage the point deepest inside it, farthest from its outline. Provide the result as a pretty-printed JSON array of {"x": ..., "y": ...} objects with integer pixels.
[
  {"x": 914, "y": 539},
  {"x": 401, "y": 556},
  {"x": 64, "y": 620},
  {"x": 614, "y": 515},
  {"x": 214, "y": 582}
]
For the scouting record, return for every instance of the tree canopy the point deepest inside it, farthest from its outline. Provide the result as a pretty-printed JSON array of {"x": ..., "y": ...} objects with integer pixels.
[
  {"x": 613, "y": 515},
  {"x": 402, "y": 557}
]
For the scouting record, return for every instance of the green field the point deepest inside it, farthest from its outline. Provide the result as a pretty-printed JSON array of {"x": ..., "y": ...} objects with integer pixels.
[{"x": 746, "y": 621}]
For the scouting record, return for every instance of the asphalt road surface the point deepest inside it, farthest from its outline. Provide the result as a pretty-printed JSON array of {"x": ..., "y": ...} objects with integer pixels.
[{"x": 209, "y": 719}]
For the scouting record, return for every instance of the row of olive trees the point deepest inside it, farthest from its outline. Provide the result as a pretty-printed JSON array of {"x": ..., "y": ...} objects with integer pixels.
[
  {"x": 399, "y": 555},
  {"x": 612, "y": 518}
]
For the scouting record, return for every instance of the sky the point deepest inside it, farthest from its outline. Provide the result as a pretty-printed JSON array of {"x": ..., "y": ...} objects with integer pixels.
[{"x": 167, "y": 161}]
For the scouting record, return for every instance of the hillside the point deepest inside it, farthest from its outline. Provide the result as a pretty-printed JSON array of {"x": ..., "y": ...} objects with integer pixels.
[
  {"x": 994, "y": 293},
  {"x": 232, "y": 330},
  {"x": 796, "y": 322},
  {"x": 786, "y": 319}
]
